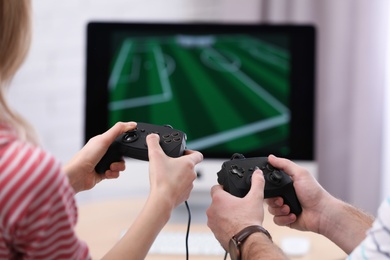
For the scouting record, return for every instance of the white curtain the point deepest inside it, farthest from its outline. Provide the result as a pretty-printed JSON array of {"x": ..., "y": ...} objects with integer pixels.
[{"x": 351, "y": 69}]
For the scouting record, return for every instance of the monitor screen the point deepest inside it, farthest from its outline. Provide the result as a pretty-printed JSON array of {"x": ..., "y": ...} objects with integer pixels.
[{"x": 232, "y": 88}]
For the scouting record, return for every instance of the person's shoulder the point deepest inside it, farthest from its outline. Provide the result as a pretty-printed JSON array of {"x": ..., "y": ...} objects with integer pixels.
[
  {"x": 28, "y": 166},
  {"x": 30, "y": 179},
  {"x": 27, "y": 155}
]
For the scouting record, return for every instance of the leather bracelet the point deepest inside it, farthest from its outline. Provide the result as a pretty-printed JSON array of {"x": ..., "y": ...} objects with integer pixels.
[
  {"x": 238, "y": 239},
  {"x": 243, "y": 234}
]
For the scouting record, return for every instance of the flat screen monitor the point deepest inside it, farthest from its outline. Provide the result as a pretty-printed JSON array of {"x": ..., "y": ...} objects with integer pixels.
[{"x": 232, "y": 88}]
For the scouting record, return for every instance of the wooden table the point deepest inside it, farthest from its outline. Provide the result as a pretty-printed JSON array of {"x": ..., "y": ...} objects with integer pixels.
[{"x": 101, "y": 223}]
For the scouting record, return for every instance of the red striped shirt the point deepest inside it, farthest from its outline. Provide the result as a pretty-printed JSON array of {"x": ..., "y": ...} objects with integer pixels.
[{"x": 38, "y": 213}]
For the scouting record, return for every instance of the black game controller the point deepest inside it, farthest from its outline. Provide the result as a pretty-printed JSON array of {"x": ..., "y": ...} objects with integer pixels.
[
  {"x": 235, "y": 177},
  {"x": 133, "y": 144}
]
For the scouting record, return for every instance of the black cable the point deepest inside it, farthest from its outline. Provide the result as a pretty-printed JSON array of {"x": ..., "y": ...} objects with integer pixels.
[
  {"x": 188, "y": 232},
  {"x": 188, "y": 229}
]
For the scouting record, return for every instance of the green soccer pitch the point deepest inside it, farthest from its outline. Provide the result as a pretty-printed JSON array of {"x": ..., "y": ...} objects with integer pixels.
[{"x": 225, "y": 91}]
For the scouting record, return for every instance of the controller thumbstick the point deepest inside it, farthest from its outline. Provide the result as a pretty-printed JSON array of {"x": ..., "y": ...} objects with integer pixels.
[
  {"x": 130, "y": 136},
  {"x": 276, "y": 176}
]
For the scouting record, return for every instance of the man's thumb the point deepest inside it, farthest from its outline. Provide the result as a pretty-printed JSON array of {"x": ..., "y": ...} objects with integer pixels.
[{"x": 257, "y": 184}]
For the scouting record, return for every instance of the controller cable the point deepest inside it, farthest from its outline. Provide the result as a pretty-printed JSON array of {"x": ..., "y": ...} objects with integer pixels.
[
  {"x": 188, "y": 232},
  {"x": 188, "y": 228}
]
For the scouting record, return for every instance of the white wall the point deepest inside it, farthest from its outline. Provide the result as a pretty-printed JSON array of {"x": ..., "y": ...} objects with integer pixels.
[{"x": 386, "y": 128}]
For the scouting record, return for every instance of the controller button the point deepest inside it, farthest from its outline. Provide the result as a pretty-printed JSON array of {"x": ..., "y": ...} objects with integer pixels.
[
  {"x": 166, "y": 136},
  {"x": 270, "y": 167},
  {"x": 276, "y": 176},
  {"x": 168, "y": 141},
  {"x": 142, "y": 130},
  {"x": 175, "y": 134},
  {"x": 237, "y": 171},
  {"x": 177, "y": 139}
]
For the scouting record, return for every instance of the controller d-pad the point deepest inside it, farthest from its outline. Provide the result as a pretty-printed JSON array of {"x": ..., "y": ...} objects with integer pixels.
[{"x": 237, "y": 171}]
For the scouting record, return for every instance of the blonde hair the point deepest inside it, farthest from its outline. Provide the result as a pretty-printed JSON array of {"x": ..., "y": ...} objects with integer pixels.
[{"x": 15, "y": 39}]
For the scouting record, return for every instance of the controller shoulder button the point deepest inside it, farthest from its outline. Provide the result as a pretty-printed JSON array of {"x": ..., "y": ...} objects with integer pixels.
[{"x": 237, "y": 156}]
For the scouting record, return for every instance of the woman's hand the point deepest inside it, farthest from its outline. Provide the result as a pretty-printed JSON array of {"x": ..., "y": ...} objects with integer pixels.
[
  {"x": 171, "y": 181},
  {"x": 170, "y": 177},
  {"x": 81, "y": 168}
]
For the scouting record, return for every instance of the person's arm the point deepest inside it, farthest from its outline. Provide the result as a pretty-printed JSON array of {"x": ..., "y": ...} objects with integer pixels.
[
  {"x": 376, "y": 244},
  {"x": 322, "y": 213},
  {"x": 345, "y": 225},
  {"x": 171, "y": 181},
  {"x": 81, "y": 168},
  {"x": 137, "y": 241},
  {"x": 259, "y": 246},
  {"x": 228, "y": 215}
]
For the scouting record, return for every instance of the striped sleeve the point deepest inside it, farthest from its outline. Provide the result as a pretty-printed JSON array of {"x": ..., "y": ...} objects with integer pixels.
[
  {"x": 376, "y": 245},
  {"x": 38, "y": 211}
]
